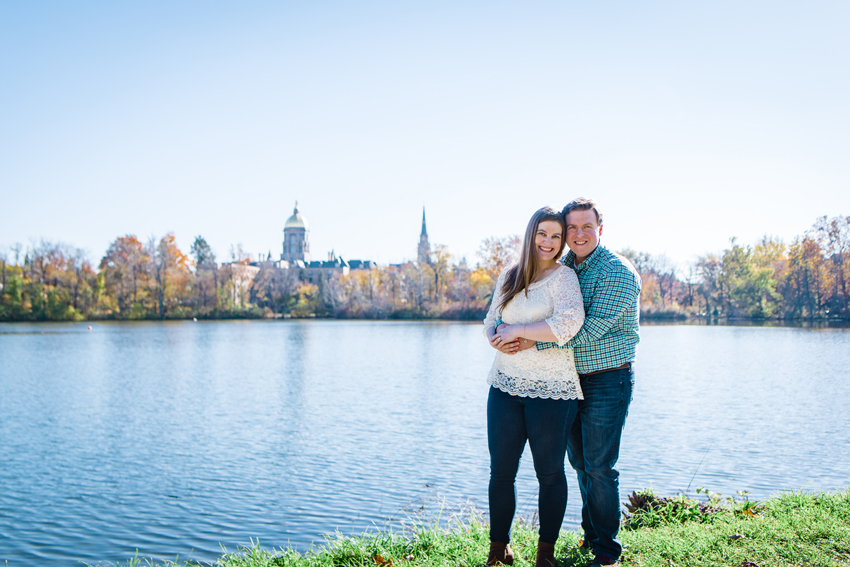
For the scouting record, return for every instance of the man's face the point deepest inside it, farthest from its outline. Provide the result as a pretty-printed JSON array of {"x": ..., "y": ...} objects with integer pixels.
[{"x": 583, "y": 233}]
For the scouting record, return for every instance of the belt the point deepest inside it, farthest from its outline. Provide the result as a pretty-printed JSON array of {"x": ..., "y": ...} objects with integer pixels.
[{"x": 626, "y": 366}]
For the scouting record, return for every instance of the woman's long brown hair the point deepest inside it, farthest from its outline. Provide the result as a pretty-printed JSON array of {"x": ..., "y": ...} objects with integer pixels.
[{"x": 523, "y": 274}]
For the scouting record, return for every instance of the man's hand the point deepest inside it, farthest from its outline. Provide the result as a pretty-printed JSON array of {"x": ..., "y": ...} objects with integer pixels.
[{"x": 525, "y": 344}]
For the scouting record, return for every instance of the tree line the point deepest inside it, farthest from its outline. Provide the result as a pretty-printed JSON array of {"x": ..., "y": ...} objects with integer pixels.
[
  {"x": 803, "y": 280},
  {"x": 46, "y": 281}
]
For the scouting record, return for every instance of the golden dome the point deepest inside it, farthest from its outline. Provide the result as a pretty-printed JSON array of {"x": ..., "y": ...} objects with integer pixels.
[{"x": 297, "y": 220}]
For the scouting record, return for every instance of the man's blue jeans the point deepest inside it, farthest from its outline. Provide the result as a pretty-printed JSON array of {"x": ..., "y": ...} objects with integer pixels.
[
  {"x": 545, "y": 424},
  {"x": 593, "y": 449}
]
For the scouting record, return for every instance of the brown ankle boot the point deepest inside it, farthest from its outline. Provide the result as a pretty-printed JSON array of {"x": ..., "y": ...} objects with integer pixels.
[
  {"x": 545, "y": 555},
  {"x": 500, "y": 554}
]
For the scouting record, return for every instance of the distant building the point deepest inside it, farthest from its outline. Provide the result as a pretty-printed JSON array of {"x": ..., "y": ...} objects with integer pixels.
[
  {"x": 241, "y": 277},
  {"x": 334, "y": 267},
  {"x": 266, "y": 262},
  {"x": 362, "y": 264},
  {"x": 296, "y": 244},
  {"x": 296, "y": 256},
  {"x": 424, "y": 255}
]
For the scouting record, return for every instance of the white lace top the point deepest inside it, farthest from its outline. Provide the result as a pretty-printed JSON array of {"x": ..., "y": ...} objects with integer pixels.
[{"x": 547, "y": 373}]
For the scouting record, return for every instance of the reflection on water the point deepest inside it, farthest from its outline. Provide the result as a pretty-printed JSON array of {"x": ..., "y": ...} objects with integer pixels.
[{"x": 177, "y": 437}]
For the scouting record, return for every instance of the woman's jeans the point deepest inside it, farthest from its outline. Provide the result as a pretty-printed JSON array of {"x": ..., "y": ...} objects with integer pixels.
[
  {"x": 594, "y": 446},
  {"x": 545, "y": 424}
]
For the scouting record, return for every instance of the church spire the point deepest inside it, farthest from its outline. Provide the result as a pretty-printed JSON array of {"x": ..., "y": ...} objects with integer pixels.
[{"x": 424, "y": 252}]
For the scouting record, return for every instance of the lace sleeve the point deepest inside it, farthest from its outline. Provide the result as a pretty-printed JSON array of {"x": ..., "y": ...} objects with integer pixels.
[
  {"x": 493, "y": 313},
  {"x": 568, "y": 314}
]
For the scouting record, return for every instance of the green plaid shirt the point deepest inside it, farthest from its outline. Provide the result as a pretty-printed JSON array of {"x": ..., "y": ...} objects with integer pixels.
[{"x": 610, "y": 287}]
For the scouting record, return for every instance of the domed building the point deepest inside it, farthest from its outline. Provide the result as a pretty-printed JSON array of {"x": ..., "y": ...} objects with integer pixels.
[
  {"x": 296, "y": 254},
  {"x": 296, "y": 244}
]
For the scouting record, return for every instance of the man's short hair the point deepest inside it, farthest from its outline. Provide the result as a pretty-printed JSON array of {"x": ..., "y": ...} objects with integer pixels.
[{"x": 582, "y": 204}]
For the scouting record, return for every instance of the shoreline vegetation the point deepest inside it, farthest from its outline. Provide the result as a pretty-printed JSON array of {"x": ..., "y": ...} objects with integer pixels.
[
  {"x": 770, "y": 281},
  {"x": 789, "y": 529}
]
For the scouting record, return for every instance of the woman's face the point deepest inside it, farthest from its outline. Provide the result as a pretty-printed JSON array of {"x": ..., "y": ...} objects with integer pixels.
[{"x": 547, "y": 240}]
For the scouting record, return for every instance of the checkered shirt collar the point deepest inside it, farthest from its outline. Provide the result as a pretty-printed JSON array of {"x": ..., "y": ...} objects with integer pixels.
[{"x": 570, "y": 259}]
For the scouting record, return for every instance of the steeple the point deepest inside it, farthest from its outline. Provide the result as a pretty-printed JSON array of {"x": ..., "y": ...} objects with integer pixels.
[
  {"x": 424, "y": 252},
  {"x": 424, "y": 230}
]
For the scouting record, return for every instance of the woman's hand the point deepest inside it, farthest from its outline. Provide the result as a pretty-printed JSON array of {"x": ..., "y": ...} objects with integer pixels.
[
  {"x": 513, "y": 337},
  {"x": 510, "y": 333},
  {"x": 498, "y": 342}
]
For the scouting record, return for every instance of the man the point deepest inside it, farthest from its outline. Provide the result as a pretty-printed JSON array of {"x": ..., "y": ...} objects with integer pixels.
[{"x": 604, "y": 351}]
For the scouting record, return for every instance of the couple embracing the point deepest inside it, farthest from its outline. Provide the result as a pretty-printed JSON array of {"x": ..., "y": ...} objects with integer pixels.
[{"x": 566, "y": 332}]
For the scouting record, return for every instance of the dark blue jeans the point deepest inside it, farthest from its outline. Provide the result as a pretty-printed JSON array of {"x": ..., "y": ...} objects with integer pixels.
[
  {"x": 545, "y": 424},
  {"x": 593, "y": 448}
]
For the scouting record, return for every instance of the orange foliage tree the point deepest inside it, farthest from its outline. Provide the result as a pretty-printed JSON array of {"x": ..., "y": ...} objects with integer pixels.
[
  {"x": 171, "y": 275},
  {"x": 124, "y": 269}
]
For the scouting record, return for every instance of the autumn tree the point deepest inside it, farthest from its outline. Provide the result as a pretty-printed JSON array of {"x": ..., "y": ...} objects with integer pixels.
[
  {"x": 171, "y": 274},
  {"x": 440, "y": 268},
  {"x": 206, "y": 274},
  {"x": 414, "y": 286},
  {"x": 272, "y": 287},
  {"x": 748, "y": 273},
  {"x": 498, "y": 253},
  {"x": 3, "y": 262},
  {"x": 12, "y": 299},
  {"x": 709, "y": 268},
  {"x": 834, "y": 238},
  {"x": 305, "y": 300},
  {"x": 650, "y": 291},
  {"x": 238, "y": 279},
  {"x": 482, "y": 283},
  {"x": 332, "y": 296},
  {"x": 461, "y": 289},
  {"x": 803, "y": 282},
  {"x": 82, "y": 279},
  {"x": 125, "y": 272}
]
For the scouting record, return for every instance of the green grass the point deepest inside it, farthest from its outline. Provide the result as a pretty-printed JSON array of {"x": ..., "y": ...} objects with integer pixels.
[{"x": 791, "y": 529}]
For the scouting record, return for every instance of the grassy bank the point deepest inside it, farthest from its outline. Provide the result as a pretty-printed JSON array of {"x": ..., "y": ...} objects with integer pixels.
[{"x": 790, "y": 529}]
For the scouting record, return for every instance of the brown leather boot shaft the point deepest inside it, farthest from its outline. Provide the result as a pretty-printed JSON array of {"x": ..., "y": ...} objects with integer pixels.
[
  {"x": 545, "y": 555},
  {"x": 500, "y": 554}
]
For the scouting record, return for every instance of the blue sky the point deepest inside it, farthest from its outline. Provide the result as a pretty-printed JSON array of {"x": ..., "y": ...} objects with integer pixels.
[{"x": 689, "y": 122}]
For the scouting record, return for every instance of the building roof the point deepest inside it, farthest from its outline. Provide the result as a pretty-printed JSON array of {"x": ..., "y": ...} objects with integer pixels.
[
  {"x": 335, "y": 263},
  {"x": 362, "y": 264}
]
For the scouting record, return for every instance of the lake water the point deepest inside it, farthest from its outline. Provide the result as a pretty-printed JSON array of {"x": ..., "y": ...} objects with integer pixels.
[{"x": 180, "y": 438}]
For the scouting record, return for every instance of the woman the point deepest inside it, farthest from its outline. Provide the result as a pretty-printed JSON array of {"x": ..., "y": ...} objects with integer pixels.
[{"x": 533, "y": 395}]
